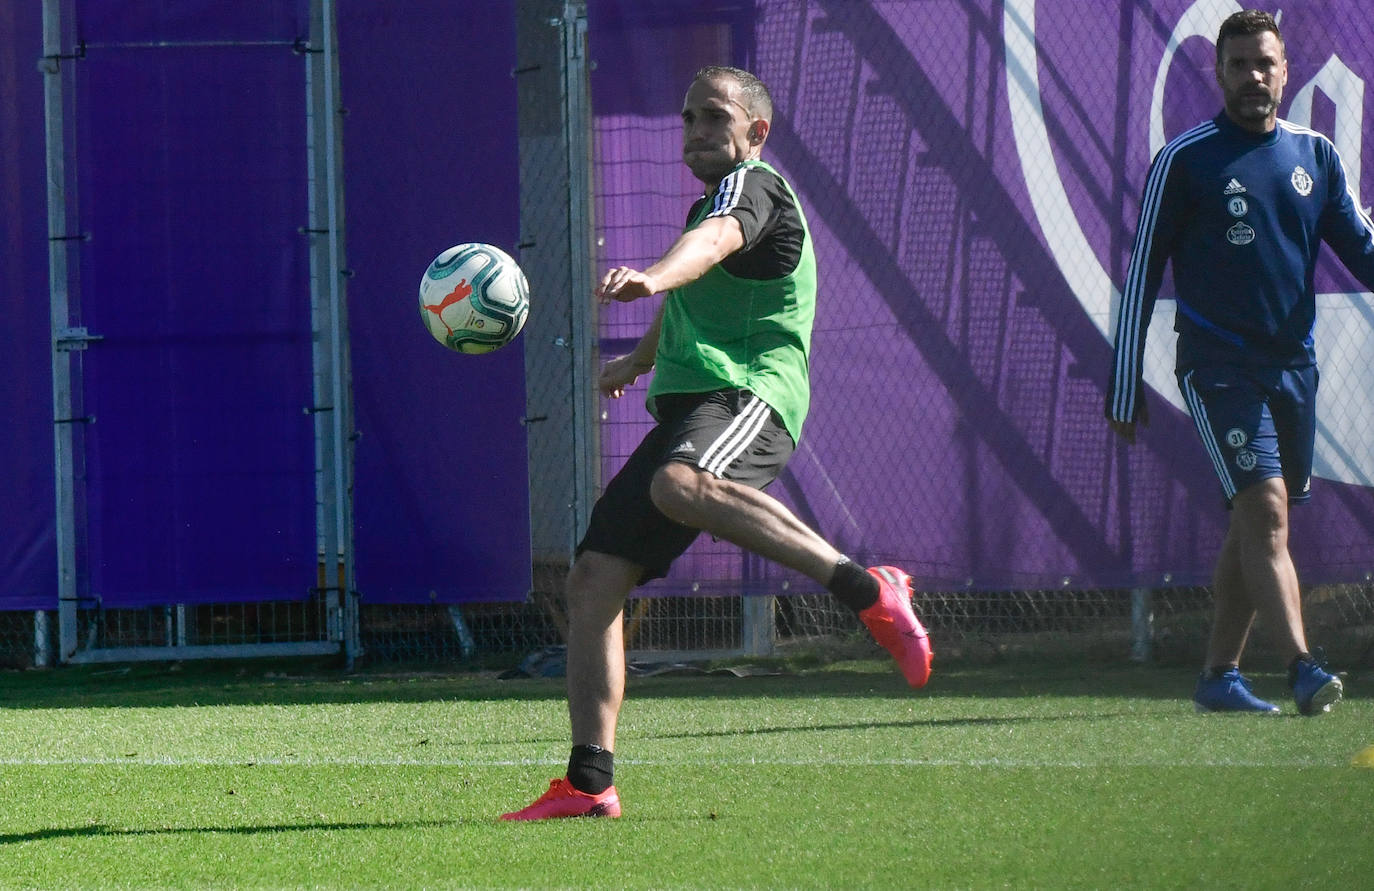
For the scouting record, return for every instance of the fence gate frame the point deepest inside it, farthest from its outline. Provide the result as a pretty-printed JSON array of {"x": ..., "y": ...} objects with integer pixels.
[
  {"x": 332, "y": 410},
  {"x": 561, "y": 357}
]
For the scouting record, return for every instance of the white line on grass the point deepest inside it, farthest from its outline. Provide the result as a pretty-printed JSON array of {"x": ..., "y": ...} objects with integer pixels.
[{"x": 345, "y": 761}]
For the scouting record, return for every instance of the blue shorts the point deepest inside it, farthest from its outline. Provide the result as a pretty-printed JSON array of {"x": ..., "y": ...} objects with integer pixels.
[{"x": 1256, "y": 424}]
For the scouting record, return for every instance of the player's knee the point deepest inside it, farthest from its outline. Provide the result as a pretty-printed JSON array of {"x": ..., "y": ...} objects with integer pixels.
[
  {"x": 1262, "y": 510},
  {"x": 599, "y": 582},
  {"x": 582, "y": 577}
]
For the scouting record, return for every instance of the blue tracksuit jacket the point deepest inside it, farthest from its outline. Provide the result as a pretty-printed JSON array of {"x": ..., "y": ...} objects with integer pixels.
[{"x": 1241, "y": 216}]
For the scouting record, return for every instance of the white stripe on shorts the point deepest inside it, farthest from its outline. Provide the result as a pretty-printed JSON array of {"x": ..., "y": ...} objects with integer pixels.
[
  {"x": 736, "y": 438},
  {"x": 1204, "y": 429}
]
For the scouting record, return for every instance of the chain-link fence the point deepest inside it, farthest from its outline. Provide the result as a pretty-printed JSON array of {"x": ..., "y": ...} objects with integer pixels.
[
  {"x": 971, "y": 176},
  {"x": 972, "y": 179},
  {"x": 965, "y": 627},
  {"x": 1098, "y": 625}
]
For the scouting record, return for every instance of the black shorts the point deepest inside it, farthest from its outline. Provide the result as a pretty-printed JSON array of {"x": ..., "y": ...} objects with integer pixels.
[{"x": 731, "y": 434}]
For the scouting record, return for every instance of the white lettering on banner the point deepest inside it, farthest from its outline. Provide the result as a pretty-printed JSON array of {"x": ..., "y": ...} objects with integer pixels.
[
  {"x": 1346, "y": 90},
  {"x": 1202, "y": 19},
  {"x": 1345, "y": 403}
]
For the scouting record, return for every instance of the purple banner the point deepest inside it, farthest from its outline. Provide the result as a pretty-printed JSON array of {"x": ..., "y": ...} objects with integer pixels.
[
  {"x": 199, "y": 451},
  {"x": 204, "y": 22},
  {"x": 972, "y": 172},
  {"x": 196, "y": 474},
  {"x": 28, "y": 551},
  {"x": 194, "y": 457},
  {"x": 442, "y": 504}
]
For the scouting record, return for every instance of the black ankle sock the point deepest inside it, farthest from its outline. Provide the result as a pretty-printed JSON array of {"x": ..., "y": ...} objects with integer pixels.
[
  {"x": 1293, "y": 667},
  {"x": 591, "y": 769},
  {"x": 852, "y": 585},
  {"x": 1217, "y": 671}
]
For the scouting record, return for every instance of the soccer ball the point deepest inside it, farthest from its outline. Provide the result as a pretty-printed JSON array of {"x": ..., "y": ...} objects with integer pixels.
[{"x": 474, "y": 298}]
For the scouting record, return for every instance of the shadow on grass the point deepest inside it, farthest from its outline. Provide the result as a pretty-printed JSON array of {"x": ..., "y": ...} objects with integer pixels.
[
  {"x": 927, "y": 723},
  {"x": 101, "y": 830},
  {"x": 908, "y": 723}
]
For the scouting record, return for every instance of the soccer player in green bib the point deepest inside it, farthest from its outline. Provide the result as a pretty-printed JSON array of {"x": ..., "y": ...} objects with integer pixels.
[{"x": 729, "y": 352}]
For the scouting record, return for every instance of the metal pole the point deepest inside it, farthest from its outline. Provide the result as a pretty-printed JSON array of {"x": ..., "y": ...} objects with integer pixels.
[
  {"x": 64, "y": 464},
  {"x": 333, "y": 410},
  {"x": 577, "y": 143},
  {"x": 42, "y": 639},
  {"x": 342, "y": 416},
  {"x": 758, "y": 624},
  {"x": 1142, "y": 624}
]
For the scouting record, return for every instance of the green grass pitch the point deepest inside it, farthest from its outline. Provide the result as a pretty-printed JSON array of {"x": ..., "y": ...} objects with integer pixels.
[{"x": 1018, "y": 775}]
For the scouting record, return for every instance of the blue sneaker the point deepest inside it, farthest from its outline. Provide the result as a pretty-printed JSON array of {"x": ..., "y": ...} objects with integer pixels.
[
  {"x": 1315, "y": 689},
  {"x": 1229, "y": 693}
]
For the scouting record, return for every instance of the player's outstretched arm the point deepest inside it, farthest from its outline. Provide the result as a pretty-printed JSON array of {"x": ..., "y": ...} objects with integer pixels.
[
  {"x": 694, "y": 252},
  {"x": 622, "y": 371},
  {"x": 619, "y": 373}
]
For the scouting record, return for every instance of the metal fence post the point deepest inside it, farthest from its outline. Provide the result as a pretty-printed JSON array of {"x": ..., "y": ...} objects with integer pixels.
[
  {"x": 333, "y": 409},
  {"x": 1142, "y": 624},
  {"x": 66, "y": 349},
  {"x": 759, "y": 625},
  {"x": 555, "y": 251},
  {"x": 42, "y": 639}
]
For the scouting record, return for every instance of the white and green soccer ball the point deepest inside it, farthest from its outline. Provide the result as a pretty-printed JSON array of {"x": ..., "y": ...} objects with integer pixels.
[{"x": 474, "y": 298}]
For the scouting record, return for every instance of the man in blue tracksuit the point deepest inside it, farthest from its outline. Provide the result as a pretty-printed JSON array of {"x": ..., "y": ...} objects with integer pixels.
[{"x": 1240, "y": 204}]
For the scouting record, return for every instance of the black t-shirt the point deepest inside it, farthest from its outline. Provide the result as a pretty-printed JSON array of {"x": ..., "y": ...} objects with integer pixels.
[{"x": 768, "y": 218}]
